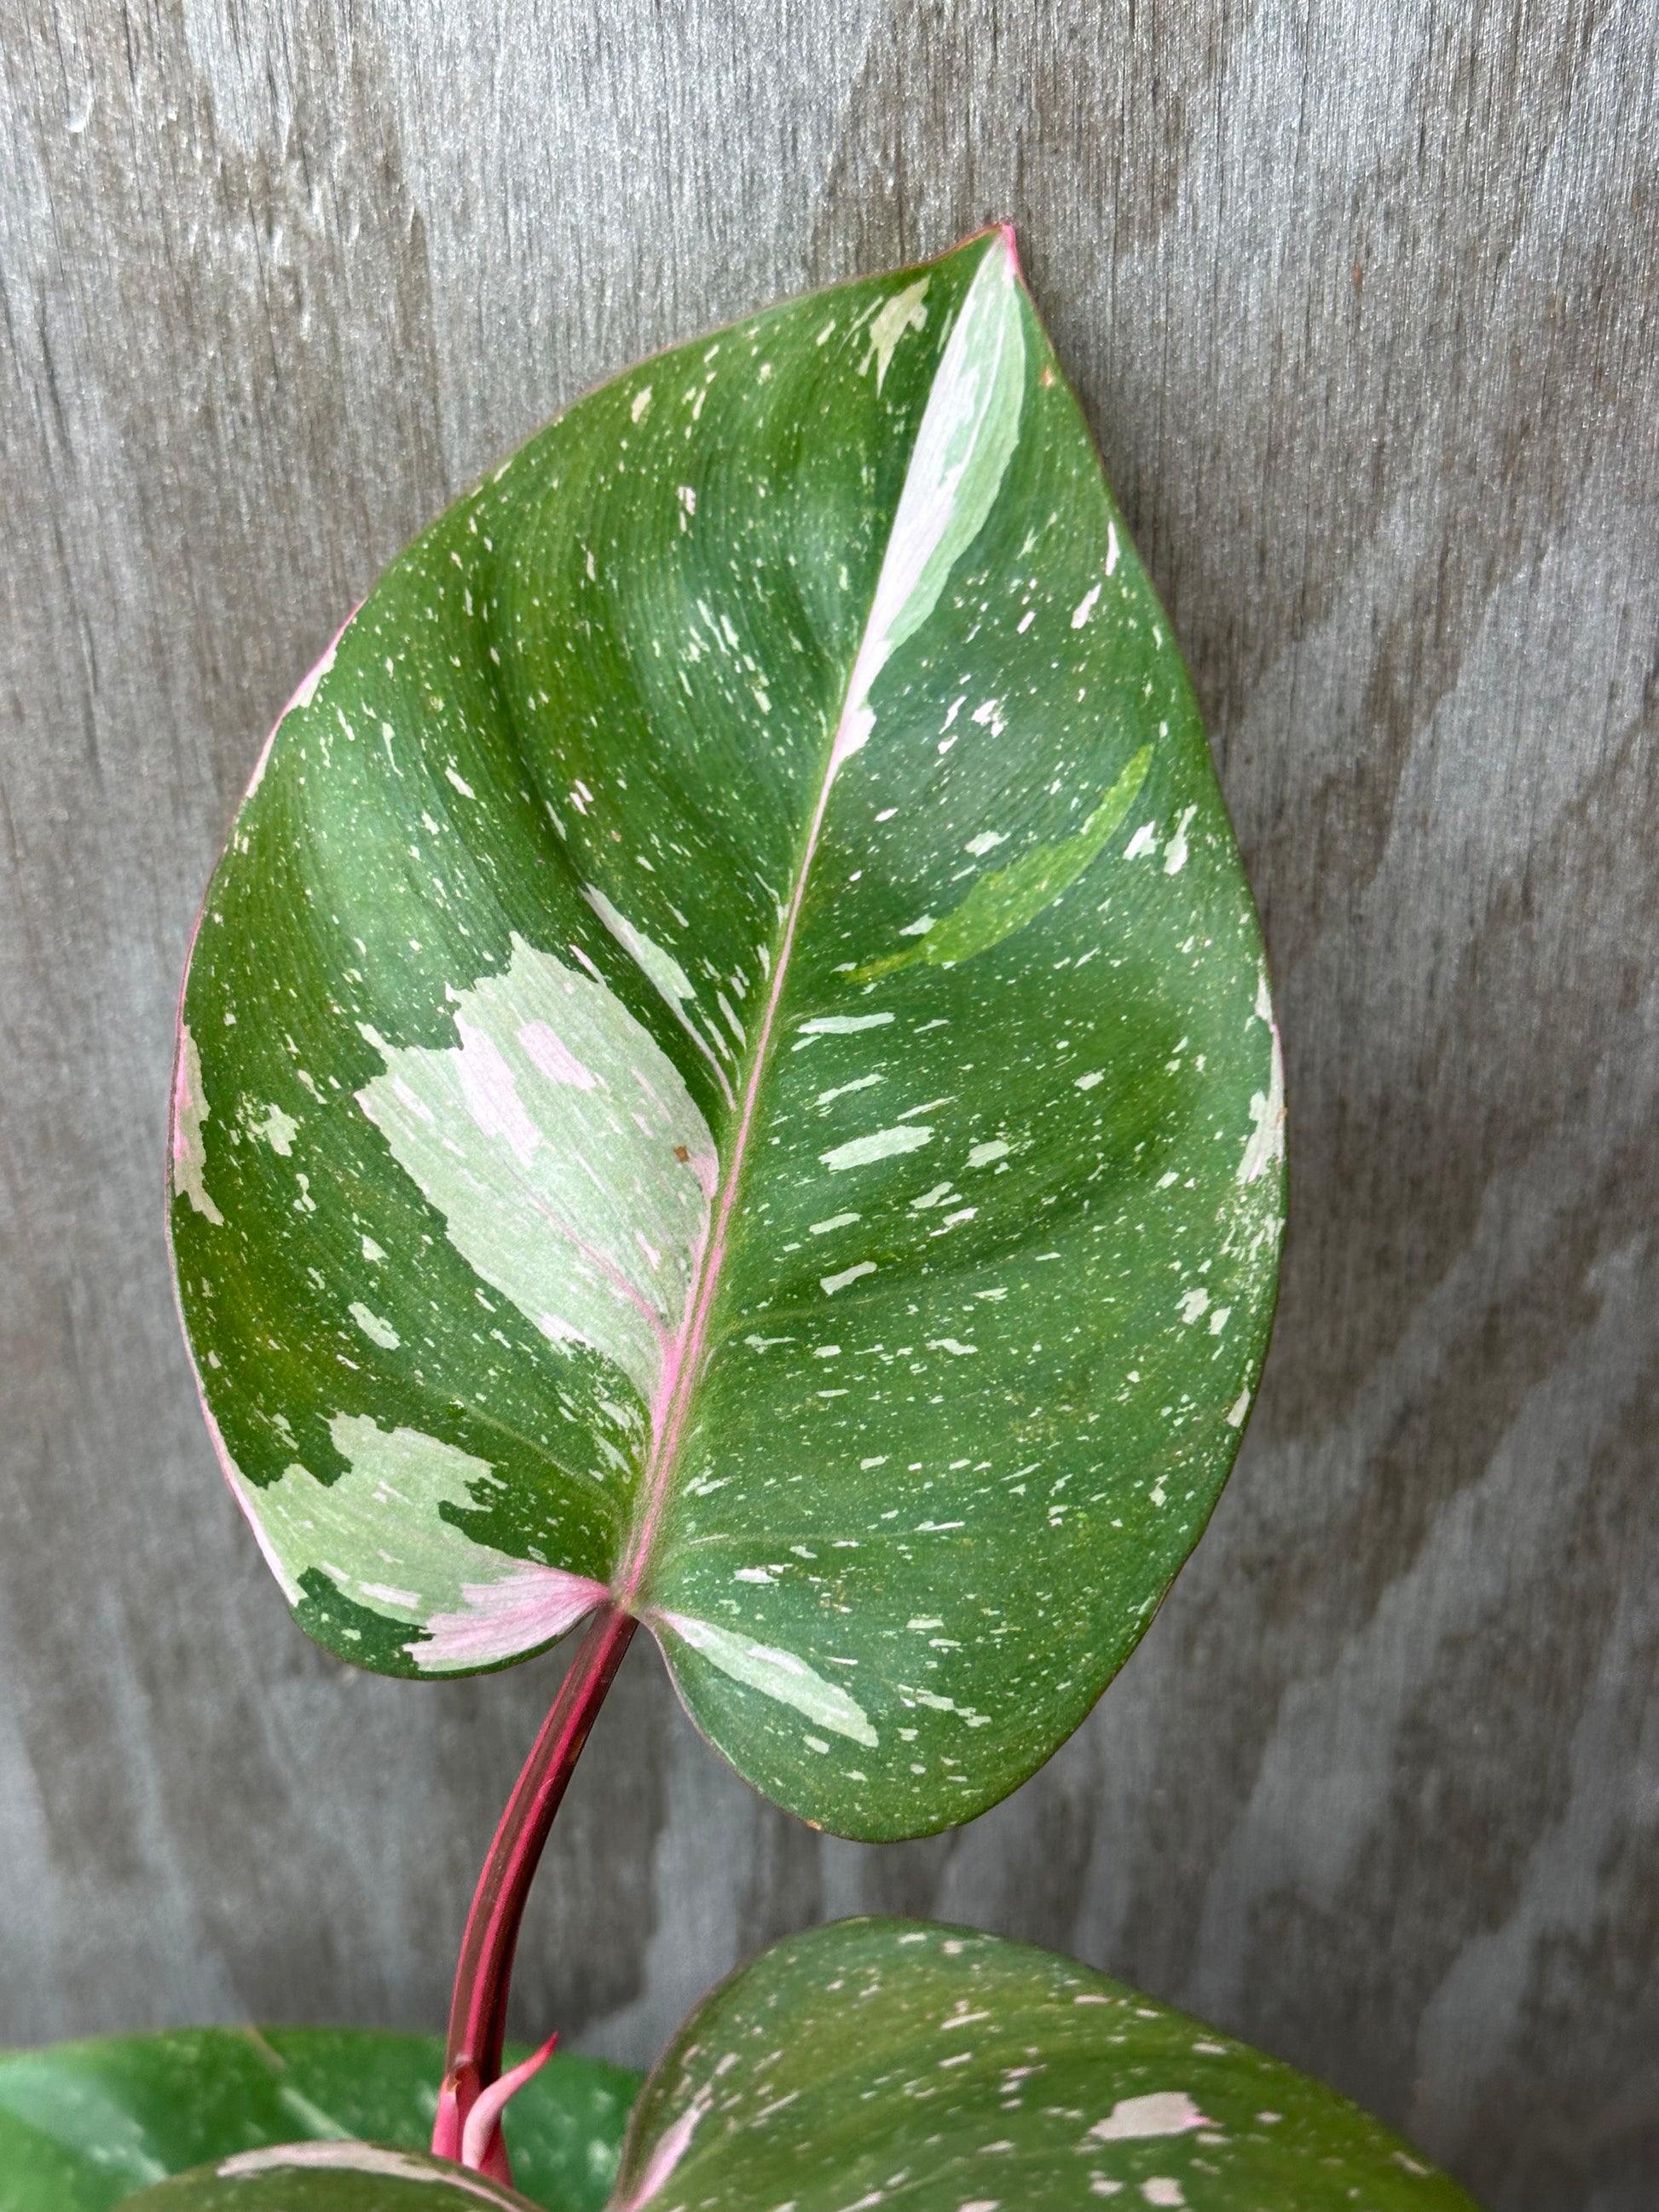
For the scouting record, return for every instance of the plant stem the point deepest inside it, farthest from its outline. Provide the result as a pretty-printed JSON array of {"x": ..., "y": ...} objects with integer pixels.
[{"x": 477, "y": 2014}]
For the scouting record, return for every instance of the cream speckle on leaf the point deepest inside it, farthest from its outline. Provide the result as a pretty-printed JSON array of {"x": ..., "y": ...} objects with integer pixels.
[
  {"x": 1265, "y": 1146},
  {"x": 278, "y": 1130},
  {"x": 1160, "y": 2113},
  {"x": 376, "y": 1330},
  {"x": 903, "y": 312},
  {"x": 1174, "y": 852},
  {"x": 879, "y": 1145},
  {"x": 840, "y": 1026}
]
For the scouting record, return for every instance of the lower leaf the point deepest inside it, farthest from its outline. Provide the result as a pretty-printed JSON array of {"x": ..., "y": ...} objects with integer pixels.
[
  {"x": 330, "y": 2177},
  {"x": 953, "y": 2072}
]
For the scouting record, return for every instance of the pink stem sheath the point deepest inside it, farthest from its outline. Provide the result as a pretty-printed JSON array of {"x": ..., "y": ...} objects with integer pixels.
[
  {"x": 477, "y": 2015},
  {"x": 483, "y": 2122}
]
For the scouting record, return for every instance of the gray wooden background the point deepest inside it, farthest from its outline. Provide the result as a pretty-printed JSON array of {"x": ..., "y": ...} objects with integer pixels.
[{"x": 1362, "y": 299}]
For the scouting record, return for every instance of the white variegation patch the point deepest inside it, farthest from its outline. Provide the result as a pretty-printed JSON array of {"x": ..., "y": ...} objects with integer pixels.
[
  {"x": 903, "y": 312},
  {"x": 968, "y": 430},
  {"x": 667, "y": 978},
  {"x": 190, "y": 1111},
  {"x": 839, "y": 1025},
  {"x": 374, "y": 1327},
  {"x": 666, "y": 2154},
  {"x": 379, "y": 1534},
  {"x": 305, "y": 690},
  {"x": 1141, "y": 2119},
  {"x": 879, "y": 1145},
  {"x": 566, "y": 1155},
  {"x": 665, "y": 971},
  {"x": 1265, "y": 1146},
  {"x": 278, "y": 1130},
  {"x": 777, "y": 1674},
  {"x": 372, "y": 2159}
]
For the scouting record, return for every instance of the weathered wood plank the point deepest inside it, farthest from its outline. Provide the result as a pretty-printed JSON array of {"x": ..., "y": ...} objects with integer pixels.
[{"x": 1363, "y": 304}]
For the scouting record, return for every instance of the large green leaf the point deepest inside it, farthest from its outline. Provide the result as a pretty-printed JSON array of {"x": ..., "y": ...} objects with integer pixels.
[
  {"x": 944, "y": 2071},
  {"x": 84, "y": 2125},
  {"x": 728, "y": 1063}
]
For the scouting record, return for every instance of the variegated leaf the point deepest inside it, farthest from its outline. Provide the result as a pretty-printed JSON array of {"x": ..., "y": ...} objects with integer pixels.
[
  {"x": 888, "y": 2061},
  {"x": 728, "y": 1064}
]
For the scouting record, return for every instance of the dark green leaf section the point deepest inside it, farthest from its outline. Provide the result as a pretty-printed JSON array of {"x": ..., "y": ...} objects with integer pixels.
[
  {"x": 87, "y": 2125},
  {"x": 728, "y": 1063},
  {"x": 882, "y": 2061}
]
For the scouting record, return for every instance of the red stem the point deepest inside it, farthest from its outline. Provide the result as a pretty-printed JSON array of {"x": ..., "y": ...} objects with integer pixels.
[{"x": 477, "y": 2012}]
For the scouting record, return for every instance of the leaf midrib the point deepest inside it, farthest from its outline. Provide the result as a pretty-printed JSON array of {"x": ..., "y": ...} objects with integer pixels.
[
  {"x": 688, "y": 1347},
  {"x": 692, "y": 1343}
]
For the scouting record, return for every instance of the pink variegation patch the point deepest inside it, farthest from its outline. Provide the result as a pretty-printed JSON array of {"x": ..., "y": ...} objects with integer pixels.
[{"x": 504, "y": 1619}]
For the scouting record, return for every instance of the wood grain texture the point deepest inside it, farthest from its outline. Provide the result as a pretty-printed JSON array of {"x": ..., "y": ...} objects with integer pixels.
[{"x": 1362, "y": 303}]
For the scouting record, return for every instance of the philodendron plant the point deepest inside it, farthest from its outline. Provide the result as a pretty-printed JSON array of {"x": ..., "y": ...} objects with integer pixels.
[{"x": 727, "y": 1081}]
